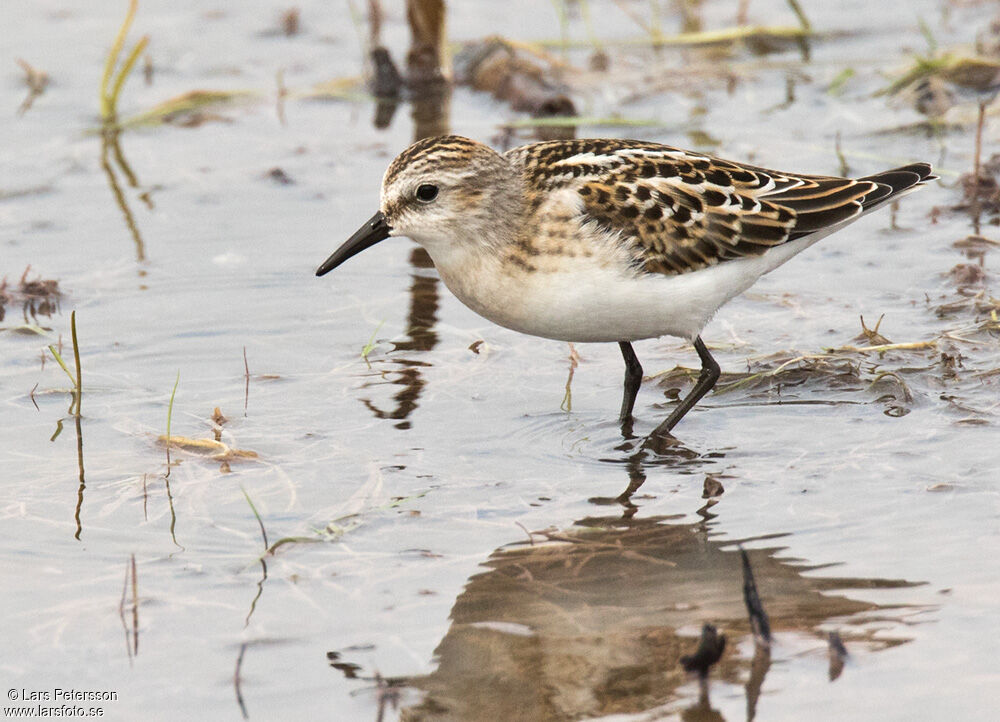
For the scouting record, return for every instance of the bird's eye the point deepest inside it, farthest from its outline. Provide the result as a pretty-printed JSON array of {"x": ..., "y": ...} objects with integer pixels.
[{"x": 427, "y": 192}]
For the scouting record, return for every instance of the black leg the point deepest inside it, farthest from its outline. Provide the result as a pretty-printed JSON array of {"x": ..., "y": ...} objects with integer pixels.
[
  {"x": 706, "y": 380},
  {"x": 633, "y": 379}
]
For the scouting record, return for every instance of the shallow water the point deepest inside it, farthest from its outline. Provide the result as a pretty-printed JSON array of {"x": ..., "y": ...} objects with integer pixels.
[{"x": 867, "y": 510}]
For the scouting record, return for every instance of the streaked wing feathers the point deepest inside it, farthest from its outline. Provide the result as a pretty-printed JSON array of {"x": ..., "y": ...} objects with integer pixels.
[{"x": 681, "y": 211}]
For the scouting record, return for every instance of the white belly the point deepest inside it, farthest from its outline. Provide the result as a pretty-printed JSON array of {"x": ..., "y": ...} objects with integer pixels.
[{"x": 586, "y": 301}]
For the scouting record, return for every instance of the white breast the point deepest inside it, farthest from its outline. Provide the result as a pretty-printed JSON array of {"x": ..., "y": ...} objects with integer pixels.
[{"x": 584, "y": 299}]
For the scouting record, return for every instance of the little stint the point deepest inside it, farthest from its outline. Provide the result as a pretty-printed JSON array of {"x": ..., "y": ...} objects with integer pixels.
[{"x": 609, "y": 240}]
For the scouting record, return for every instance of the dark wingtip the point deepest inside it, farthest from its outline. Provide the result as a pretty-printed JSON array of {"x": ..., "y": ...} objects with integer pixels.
[{"x": 897, "y": 182}]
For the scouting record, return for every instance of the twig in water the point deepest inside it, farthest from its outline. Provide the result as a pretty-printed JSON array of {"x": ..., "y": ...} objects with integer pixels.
[
  {"x": 121, "y": 615},
  {"x": 237, "y": 680},
  {"x": 375, "y": 16},
  {"x": 742, "y": 13},
  {"x": 83, "y": 482},
  {"x": 976, "y": 165},
  {"x": 131, "y": 636},
  {"x": 246, "y": 375},
  {"x": 755, "y": 609},
  {"x": 170, "y": 505},
  {"x": 574, "y": 361},
  {"x": 37, "y": 81},
  {"x": 135, "y": 608},
  {"x": 837, "y": 653},
  {"x": 531, "y": 539},
  {"x": 111, "y": 155}
]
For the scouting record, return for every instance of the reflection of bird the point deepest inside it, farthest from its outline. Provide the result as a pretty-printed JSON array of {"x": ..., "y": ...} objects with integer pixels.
[{"x": 608, "y": 240}]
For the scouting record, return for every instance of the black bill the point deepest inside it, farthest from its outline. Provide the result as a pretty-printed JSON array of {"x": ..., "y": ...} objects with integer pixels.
[{"x": 375, "y": 230}]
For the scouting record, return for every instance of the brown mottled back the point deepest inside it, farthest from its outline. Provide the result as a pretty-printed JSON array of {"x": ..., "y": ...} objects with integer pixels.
[{"x": 680, "y": 211}]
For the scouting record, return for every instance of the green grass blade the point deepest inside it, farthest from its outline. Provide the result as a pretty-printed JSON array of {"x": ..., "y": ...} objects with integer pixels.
[
  {"x": 369, "y": 347},
  {"x": 170, "y": 413},
  {"x": 107, "y": 109},
  {"x": 125, "y": 72},
  {"x": 256, "y": 514},
  {"x": 76, "y": 358},
  {"x": 803, "y": 20},
  {"x": 170, "y": 408},
  {"x": 58, "y": 358}
]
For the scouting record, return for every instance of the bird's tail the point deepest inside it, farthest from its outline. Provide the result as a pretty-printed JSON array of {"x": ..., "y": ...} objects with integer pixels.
[{"x": 895, "y": 183}]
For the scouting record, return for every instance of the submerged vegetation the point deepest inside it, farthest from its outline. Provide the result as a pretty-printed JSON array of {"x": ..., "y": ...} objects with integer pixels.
[
  {"x": 880, "y": 369},
  {"x": 37, "y": 296}
]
